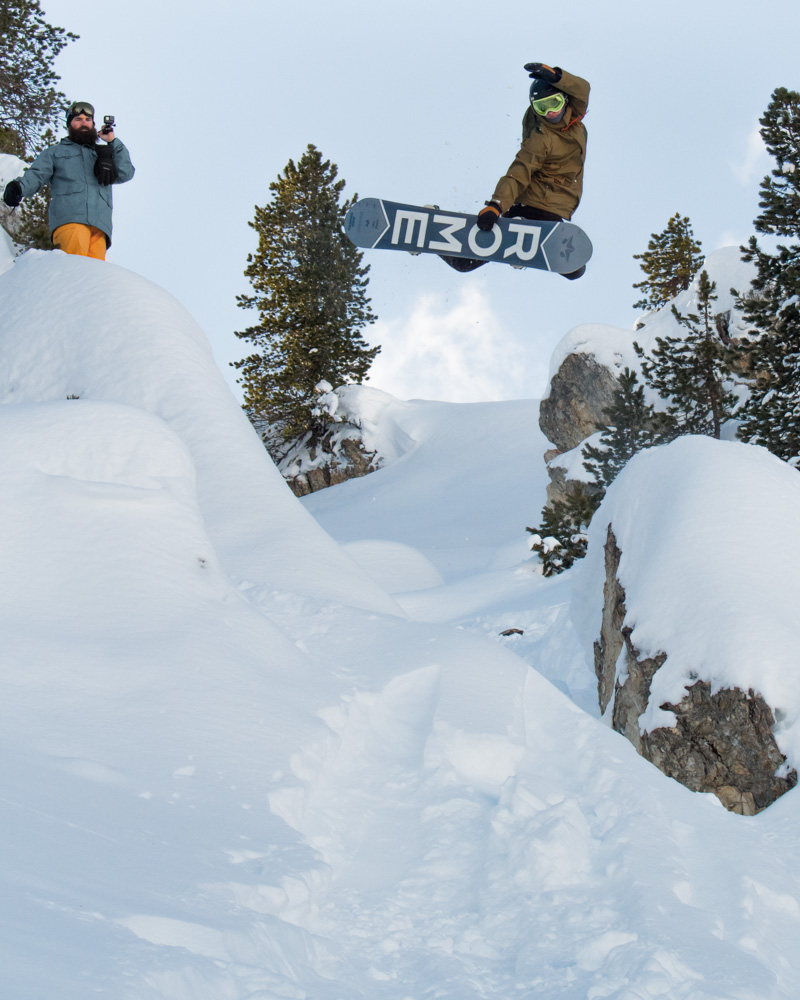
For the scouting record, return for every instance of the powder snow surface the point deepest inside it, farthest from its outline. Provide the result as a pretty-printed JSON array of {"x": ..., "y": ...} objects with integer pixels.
[{"x": 249, "y": 753}]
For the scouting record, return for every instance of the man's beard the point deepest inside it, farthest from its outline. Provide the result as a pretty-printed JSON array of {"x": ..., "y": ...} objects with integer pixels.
[{"x": 84, "y": 135}]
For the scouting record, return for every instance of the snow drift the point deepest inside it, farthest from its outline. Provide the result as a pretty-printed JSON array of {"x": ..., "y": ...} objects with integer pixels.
[{"x": 72, "y": 327}]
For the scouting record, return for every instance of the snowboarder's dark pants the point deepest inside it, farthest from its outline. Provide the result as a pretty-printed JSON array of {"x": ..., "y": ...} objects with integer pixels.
[{"x": 515, "y": 212}]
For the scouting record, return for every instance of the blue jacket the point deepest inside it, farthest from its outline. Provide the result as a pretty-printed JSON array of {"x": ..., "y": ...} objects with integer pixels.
[{"x": 75, "y": 194}]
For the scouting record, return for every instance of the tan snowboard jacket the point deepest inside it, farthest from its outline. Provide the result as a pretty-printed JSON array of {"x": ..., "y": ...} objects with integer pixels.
[{"x": 548, "y": 169}]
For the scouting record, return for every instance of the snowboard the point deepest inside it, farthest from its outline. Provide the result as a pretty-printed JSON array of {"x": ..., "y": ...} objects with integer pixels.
[{"x": 373, "y": 223}]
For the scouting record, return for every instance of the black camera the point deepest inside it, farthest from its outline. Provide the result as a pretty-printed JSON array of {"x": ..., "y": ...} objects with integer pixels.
[{"x": 108, "y": 124}]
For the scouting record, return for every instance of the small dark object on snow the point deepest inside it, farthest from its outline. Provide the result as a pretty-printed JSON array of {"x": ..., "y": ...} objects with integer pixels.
[{"x": 513, "y": 631}]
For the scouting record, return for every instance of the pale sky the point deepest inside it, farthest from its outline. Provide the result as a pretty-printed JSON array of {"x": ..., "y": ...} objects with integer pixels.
[{"x": 421, "y": 102}]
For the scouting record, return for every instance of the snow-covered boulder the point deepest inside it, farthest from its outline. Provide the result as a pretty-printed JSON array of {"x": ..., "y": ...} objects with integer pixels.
[
  {"x": 354, "y": 444},
  {"x": 579, "y": 394},
  {"x": 687, "y": 601}
]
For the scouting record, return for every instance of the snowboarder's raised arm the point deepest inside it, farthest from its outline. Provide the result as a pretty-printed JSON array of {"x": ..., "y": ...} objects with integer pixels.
[{"x": 578, "y": 90}]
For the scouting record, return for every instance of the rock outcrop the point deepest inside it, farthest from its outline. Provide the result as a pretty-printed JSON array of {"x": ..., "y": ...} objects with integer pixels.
[
  {"x": 342, "y": 444},
  {"x": 721, "y": 742},
  {"x": 347, "y": 460},
  {"x": 580, "y": 393}
]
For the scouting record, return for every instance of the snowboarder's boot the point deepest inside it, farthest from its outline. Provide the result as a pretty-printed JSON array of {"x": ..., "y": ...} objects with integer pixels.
[{"x": 462, "y": 263}]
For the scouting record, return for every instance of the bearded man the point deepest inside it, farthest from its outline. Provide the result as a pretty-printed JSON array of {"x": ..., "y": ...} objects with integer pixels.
[{"x": 80, "y": 171}]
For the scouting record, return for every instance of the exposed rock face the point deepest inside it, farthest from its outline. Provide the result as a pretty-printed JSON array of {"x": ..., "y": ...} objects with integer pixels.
[
  {"x": 611, "y": 642},
  {"x": 350, "y": 461},
  {"x": 580, "y": 393},
  {"x": 312, "y": 463},
  {"x": 721, "y": 742}
]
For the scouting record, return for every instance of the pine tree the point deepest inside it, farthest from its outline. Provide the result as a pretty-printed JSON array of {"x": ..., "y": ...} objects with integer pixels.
[
  {"x": 673, "y": 257},
  {"x": 771, "y": 415},
  {"x": 32, "y": 230},
  {"x": 30, "y": 105},
  {"x": 562, "y": 536},
  {"x": 692, "y": 371},
  {"x": 630, "y": 427},
  {"x": 310, "y": 293}
]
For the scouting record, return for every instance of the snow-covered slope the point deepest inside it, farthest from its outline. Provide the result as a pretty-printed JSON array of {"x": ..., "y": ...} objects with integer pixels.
[
  {"x": 609, "y": 880},
  {"x": 73, "y": 327},
  {"x": 235, "y": 768}
]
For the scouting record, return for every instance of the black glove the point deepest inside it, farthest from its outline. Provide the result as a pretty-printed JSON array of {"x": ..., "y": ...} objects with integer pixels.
[
  {"x": 488, "y": 216},
  {"x": 538, "y": 71},
  {"x": 12, "y": 195},
  {"x": 104, "y": 169}
]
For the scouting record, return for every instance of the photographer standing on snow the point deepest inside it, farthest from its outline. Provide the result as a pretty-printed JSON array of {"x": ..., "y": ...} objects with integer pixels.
[{"x": 80, "y": 171}]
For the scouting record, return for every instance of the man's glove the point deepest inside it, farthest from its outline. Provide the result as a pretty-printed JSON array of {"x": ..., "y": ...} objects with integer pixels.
[
  {"x": 104, "y": 169},
  {"x": 538, "y": 71},
  {"x": 488, "y": 216},
  {"x": 12, "y": 195}
]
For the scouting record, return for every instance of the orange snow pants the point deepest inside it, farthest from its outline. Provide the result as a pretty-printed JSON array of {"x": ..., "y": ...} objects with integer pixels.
[{"x": 86, "y": 241}]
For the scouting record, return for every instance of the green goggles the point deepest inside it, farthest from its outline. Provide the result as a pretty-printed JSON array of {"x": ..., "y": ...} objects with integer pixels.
[
  {"x": 80, "y": 108},
  {"x": 546, "y": 105}
]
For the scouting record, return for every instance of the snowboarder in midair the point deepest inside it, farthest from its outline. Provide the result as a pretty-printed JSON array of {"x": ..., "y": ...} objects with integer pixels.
[{"x": 545, "y": 181}]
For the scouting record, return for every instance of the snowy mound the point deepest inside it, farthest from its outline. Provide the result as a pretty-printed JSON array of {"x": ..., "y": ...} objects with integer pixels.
[
  {"x": 396, "y": 567},
  {"x": 479, "y": 464},
  {"x": 75, "y": 327},
  {"x": 710, "y": 541},
  {"x": 373, "y": 412}
]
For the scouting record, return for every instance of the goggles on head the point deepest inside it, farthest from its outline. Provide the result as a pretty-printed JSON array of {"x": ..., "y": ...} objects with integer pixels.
[
  {"x": 546, "y": 105},
  {"x": 80, "y": 108}
]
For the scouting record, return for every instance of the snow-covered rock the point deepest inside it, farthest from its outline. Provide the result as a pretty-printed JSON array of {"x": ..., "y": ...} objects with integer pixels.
[
  {"x": 580, "y": 392},
  {"x": 354, "y": 444},
  {"x": 696, "y": 647}
]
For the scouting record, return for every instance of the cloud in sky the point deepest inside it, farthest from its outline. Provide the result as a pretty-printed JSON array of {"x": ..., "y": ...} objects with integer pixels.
[
  {"x": 453, "y": 352},
  {"x": 754, "y": 159}
]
